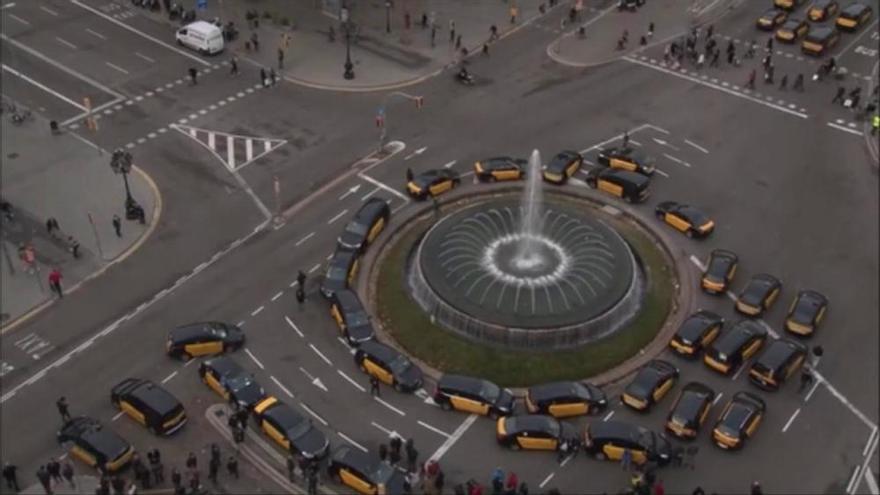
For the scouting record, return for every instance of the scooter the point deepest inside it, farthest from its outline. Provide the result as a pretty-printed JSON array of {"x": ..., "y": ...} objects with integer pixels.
[{"x": 465, "y": 77}]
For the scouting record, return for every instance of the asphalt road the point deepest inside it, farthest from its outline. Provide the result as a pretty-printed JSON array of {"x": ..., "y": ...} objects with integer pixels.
[{"x": 790, "y": 194}]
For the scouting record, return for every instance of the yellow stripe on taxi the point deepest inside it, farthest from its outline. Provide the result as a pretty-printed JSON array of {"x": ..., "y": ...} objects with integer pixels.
[
  {"x": 682, "y": 348},
  {"x": 745, "y": 308},
  {"x": 724, "y": 368},
  {"x": 798, "y": 328},
  {"x": 262, "y": 406}
]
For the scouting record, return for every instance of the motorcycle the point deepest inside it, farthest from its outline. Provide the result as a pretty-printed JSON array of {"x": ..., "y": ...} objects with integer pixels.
[{"x": 465, "y": 77}]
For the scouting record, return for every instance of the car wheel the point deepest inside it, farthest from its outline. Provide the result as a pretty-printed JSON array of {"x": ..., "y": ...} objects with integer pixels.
[
  {"x": 446, "y": 406},
  {"x": 397, "y": 387}
]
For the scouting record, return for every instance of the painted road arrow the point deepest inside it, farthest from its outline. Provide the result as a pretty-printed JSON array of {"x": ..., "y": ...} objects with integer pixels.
[
  {"x": 350, "y": 191},
  {"x": 415, "y": 153}
]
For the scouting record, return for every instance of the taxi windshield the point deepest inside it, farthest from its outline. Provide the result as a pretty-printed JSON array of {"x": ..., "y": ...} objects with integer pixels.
[
  {"x": 647, "y": 440},
  {"x": 490, "y": 391},
  {"x": 356, "y": 228},
  {"x": 239, "y": 382},
  {"x": 400, "y": 364},
  {"x": 357, "y": 319},
  {"x": 219, "y": 332},
  {"x": 336, "y": 273}
]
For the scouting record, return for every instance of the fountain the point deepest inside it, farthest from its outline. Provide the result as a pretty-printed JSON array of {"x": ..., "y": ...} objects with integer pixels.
[{"x": 526, "y": 273}]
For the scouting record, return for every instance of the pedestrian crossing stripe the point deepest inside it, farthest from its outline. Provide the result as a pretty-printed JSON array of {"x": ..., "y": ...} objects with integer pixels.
[{"x": 233, "y": 150}]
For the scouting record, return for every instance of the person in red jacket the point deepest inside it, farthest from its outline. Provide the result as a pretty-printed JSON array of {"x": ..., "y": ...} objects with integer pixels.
[{"x": 55, "y": 282}]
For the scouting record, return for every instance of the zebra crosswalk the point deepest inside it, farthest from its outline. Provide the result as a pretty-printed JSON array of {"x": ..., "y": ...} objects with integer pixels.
[{"x": 233, "y": 150}]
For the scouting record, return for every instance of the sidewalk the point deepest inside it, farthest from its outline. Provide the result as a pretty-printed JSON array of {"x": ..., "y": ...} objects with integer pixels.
[
  {"x": 61, "y": 176},
  {"x": 381, "y": 60}
]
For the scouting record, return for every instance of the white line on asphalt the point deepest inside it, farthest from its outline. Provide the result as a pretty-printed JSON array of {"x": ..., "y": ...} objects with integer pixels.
[
  {"x": 871, "y": 439},
  {"x": 67, "y": 43},
  {"x": 314, "y": 414},
  {"x": 351, "y": 381},
  {"x": 844, "y": 400},
  {"x": 293, "y": 326},
  {"x": 19, "y": 19},
  {"x": 662, "y": 142},
  {"x": 383, "y": 429},
  {"x": 240, "y": 323},
  {"x": 383, "y": 186},
  {"x": 169, "y": 377},
  {"x": 337, "y": 217},
  {"x": 676, "y": 160},
  {"x": 254, "y": 358},
  {"x": 664, "y": 174},
  {"x": 48, "y": 11},
  {"x": 450, "y": 164},
  {"x": 697, "y": 146},
  {"x": 791, "y": 420},
  {"x": 276, "y": 296},
  {"x": 633, "y": 141},
  {"x": 696, "y": 261},
  {"x": 118, "y": 415},
  {"x": 810, "y": 393},
  {"x": 319, "y": 353},
  {"x": 44, "y": 87},
  {"x": 96, "y": 34},
  {"x": 857, "y": 38},
  {"x": 565, "y": 461},
  {"x": 257, "y": 311},
  {"x": 547, "y": 480},
  {"x": 139, "y": 33},
  {"x": 850, "y": 487},
  {"x": 872, "y": 482},
  {"x": 281, "y": 386},
  {"x": 434, "y": 429},
  {"x": 7, "y": 6},
  {"x": 462, "y": 428},
  {"x": 315, "y": 268},
  {"x": 615, "y": 138},
  {"x": 715, "y": 86},
  {"x": 658, "y": 129},
  {"x": 120, "y": 69},
  {"x": 189, "y": 362},
  {"x": 844, "y": 129},
  {"x": 148, "y": 59},
  {"x": 738, "y": 371},
  {"x": 389, "y": 406},
  {"x": 304, "y": 239},
  {"x": 345, "y": 437},
  {"x": 717, "y": 398}
]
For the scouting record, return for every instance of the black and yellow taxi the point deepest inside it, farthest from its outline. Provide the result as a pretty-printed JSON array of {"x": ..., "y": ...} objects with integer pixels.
[
  {"x": 150, "y": 405},
  {"x": 820, "y": 40},
  {"x": 562, "y": 167},
  {"x": 627, "y": 158},
  {"x": 473, "y": 395},
  {"x": 341, "y": 271},
  {"x": 854, "y": 16},
  {"x": 292, "y": 431},
  {"x": 433, "y": 183},
  {"x": 99, "y": 447},
  {"x": 685, "y": 218},
  {"x": 533, "y": 432},
  {"x": 771, "y": 19},
  {"x": 606, "y": 440},
  {"x": 500, "y": 168},
  {"x": 696, "y": 332},
  {"x": 735, "y": 346},
  {"x": 806, "y": 312},
  {"x": 364, "y": 473},
  {"x": 631, "y": 186},
  {"x": 776, "y": 363},
  {"x": 202, "y": 339},
  {"x": 369, "y": 221},
  {"x": 389, "y": 366},
  {"x": 719, "y": 272},
  {"x": 788, "y": 4},
  {"x": 351, "y": 317},
  {"x": 758, "y": 295},
  {"x": 738, "y": 421},
  {"x": 822, "y": 10},
  {"x": 230, "y": 381},
  {"x": 690, "y": 410},
  {"x": 792, "y": 29},
  {"x": 652, "y": 382},
  {"x": 564, "y": 399}
]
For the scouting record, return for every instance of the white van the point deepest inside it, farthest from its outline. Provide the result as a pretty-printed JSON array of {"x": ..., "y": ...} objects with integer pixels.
[{"x": 202, "y": 37}]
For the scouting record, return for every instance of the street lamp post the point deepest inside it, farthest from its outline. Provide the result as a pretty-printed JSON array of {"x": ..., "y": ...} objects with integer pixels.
[
  {"x": 121, "y": 162},
  {"x": 388, "y": 16},
  {"x": 346, "y": 26}
]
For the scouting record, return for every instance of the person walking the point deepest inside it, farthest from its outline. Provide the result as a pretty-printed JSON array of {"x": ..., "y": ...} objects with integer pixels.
[
  {"x": 458, "y": 42},
  {"x": 798, "y": 83},
  {"x": 313, "y": 482},
  {"x": 74, "y": 246},
  {"x": 383, "y": 452},
  {"x": 514, "y": 12},
  {"x": 156, "y": 467},
  {"x": 300, "y": 295},
  {"x": 192, "y": 463},
  {"x": 52, "y": 226},
  {"x": 117, "y": 225},
  {"x": 233, "y": 66},
  {"x": 255, "y": 41},
  {"x": 273, "y": 77},
  {"x": 280, "y": 58},
  {"x": 806, "y": 378},
  {"x": 769, "y": 46},
  {"x": 55, "y": 284},
  {"x": 394, "y": 452},
  {"x": 263, "y": 79},
  {"x": 176, "y": 478},
  {"x": 291, "y": 467},
  {"x": 768, "y": 74},
  {"x": 783, "y": 83},
  {"x": 433, "y": 35},
  {"x": 54, "y": 469},
  {"x": 875, "y": 124},
  {"x": 10, "y": 476},
  {"x": 213, "y": 469},
  {"x": 45, "y": 479},
  {"x": 451, "y": 30},
  {"x": 715, "y": 56},
  {"x": 232, "y": 467},
  {"x": 412, "y": 455},
  {"x": 756, "y": 488},
  {"x": 486, "y": 49},
  {"x": 751, "y": 82},
  {"x": 67, "y": 473},
  {"x": 650, "y": 30},
  {"x": 63, "y": 409},
  {"x": 838, "y": 97},
  {"x": 374, "y": 386},
  {"x": 493, "y": 33},
  {"x": 193, "y": 76}
]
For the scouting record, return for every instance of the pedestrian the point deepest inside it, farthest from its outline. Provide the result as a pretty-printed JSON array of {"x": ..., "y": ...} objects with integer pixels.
[
  {"x": 45, "y": 479},
  {"x": 67, "y": 473},
  {"x": 263, "y": 79},
  {"x": 54, "y": 468},
  {"x": 232, "y": 467},
  {"x": 650, "y": 30},
  {"x": 63, "y": 407},
  {"x": 313, "y": 483},
  {"x": 769, "y": 46},
  {"x": 756, "y": 488},
  {"x": 291, "y": 467},
  {"x": 273, "y": 76},
  {"x": 300, "y": 295},
  {"x": 498, "y": 478},
  {"x": 838, "y": 97},
  {"x": 458, "y": 42},
  {"x": 280, "y": 58},
  {"x": 383, "y": 452},
  {"x": 55, "y": 284},
  {"x": 424, "y": 20},
  {"x": 523, "y": 489},
  {"x": 486, "y": 49},
  {"x": 409, "y": 175},
  {"x": 875, "y": 124},
  {"x": 659, "y": 488},
  {"x": 394, "y": 452},
  {"x": 751, "y": 83},
  {"x": 255, "y": 41},
  {"x": 117, "y": 225},
  {"x": 715, "y": 56},
  {"x": 750, "y": 52},
  {"x": 192, "y": 463},
  {"x": 51, "y": 226},
  {"x": 798, "y": 83},
  {"x": 451, "y": 30},
  {"x": 709, "y": 31},
  {"x": 118, "y": 484},
  {"x": 374, "y": 386},
  {"x": 513, "y": 13},
  {"x": 74, "y": 246},
  {"x": 493, "y": 32},
  {"x": 643, "y": 41},
  {"x": 433, "y": 35},
  {"x": 698, "y": 491},
  {"x": 625, "y": 138},
  {"x": 233, "y": 66},
  {"x": 768, "y": 75},
  {"x": 193, "y": 76},
  {"x": 412, "y": 455},
  {"x": 10, "y": 475},
  {"x": 783, "y": 83},
  {"x": 806, "y": 378},
  {"x": 215, "y": 453},
  {"x": 439, "y": 481},
  {"x": 156, "y": 466},
  {"x": 512, "y": 482},
  {"x": 731, "y": 57},
  {"x": 213, "y": 469},
  {"x": 626, "y": 459},
  {"x": 176, "y": 478}
]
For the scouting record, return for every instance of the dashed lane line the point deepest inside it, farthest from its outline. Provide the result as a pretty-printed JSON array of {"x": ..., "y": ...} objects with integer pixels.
[
  {"x": 458, "y": 433},
  {"x": 791, "y": 420},
  {"x": 116, "y": 67},
  {"x": 337, "y": 216},
  {"x": 282, "y": 387},
  {"x": 349, "y": 440},
  {"x": 96, "y": 34},
  {"x": 117, "y": 415},
  {"x": 608, "y": 416},
  {"x": 48, "y": 11},
  {"x": 257, "y": 311},
  {"x": 294, "y": 327},
  {"x": 676, "y": 160},
  {"x": 276, "y": 296},
  {"x": 389, "y": 406},
  {"x": 66, "y": 43},
  {"x": 547, "y": 480},
  {"x": 144, "y": 57},
  {"x": 434, "y": 429},
  {"x": 19, "y": 19},
  {"x": 717, "y": 398},
  {"x": 254, "y": 358},
  {"x": 697, "y": 146},
  {"x": 351, "y": 381},
  {"x": 315, "y": 268},
  {"x": 169, "y": 377},
  {"x": 844, "y": 129},
  {"x": 304, "y": 239},
  {"x": 321, "y": 354},
  {"x": 315, "y": 415},
  {"x": 810, "y": 393}
]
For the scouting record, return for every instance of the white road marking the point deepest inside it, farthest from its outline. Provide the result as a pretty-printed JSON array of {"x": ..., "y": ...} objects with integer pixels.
[
  {"x": 321, "y": 354},
  {"x": 337, "y": 217},
  {"x": 697, "y": 146},
  {"x": 189, "y": 362},
  {"x": 349, "y": 440},
  {"x": 450, "y": 164},
  {"x": 351, "y": 381},
  {"x": 383, "y": 186},
  {"x": 664, "y": 174},
  {"x": 304, "y": 239},
  {"x": 148, "y": 59},
  {"x": 257, "y": 311},
  {"x": 676, "y": 160},
  {"x": 353, "y": 190},
  {"x": 293, "y": 326},
  {"x": 118, "y": 415},
  {"x": 615, "y": 138},
  {"x": 872, "y": 482},
  {"x": 740, "y": 370},
  {"x": 696, "y": 261},
  {"x": 240, "y": 323},
  {"x": 462, "y": 428},
  {"x": 810, "y": 393},
  {"x": 315, "y": 268},
  {"x": 7, "y": 6},
  {"x": 608, "y": 416},
  {"x": 871, "y": 439},
  {"x": 249, "y": 353},
  {"x": 634, "y": 142},
  {"x": 66, "y": 43},
  {"x": 44, "y": 87},
  {"x": 114, "y": 66},
  {"x": 844, "y": 129},
  {"x": 662, "y": 142},
  {"x": 19, "y": 19},
  {"x": 434, "y": 429},
  {"x": 281, "y": 386},
  {"x": 565, "y": 461},
  {"x": 547, "y": 480},
  {"x": 314, "y": 414},
  {"x": 48, "y": 11},
  {"x": 415, "y": 153},
  {"x": 389, "y": 406},
  {"x": 169, "y": 377},
  {"x": 850, "y": 487},
  {"x": 791, "y": 420},
  {"x": 96, "y": 34},
  {"x": 276, "y": 296},
  {"x": 717, "y": 398},
  {"x": 390, "y": 433}
]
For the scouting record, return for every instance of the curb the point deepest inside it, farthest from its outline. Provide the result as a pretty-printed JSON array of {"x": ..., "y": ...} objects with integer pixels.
[
  {"x": 681, "y": 270},
  {"x": 154, "y": 222}
]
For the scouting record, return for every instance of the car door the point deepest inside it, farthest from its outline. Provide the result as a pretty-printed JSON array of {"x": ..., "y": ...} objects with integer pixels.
[
  {"x": 356, "y": 480},
  {"x": 440, "y": 186},
  {"x": 204, "y": 345},
  {"x": 771, "y": 297},
  {"x": 336, "y": 313},
  {"x": 274, "y": 432},
  {"x": 133, "y": 408},
  {"x": 613, "y": 450},
  {"x": 754, "y": 421},
  {"x": 83, "y": 453},
  {"x": 376, "y": 368},
  {"x": 794, "y": 364},
  {"x": 752, "y": 347},
  {"x": 622, "y": 163},
  {"x": 664, "y": 387},
  {"x": 507, "y": 172},
  {"x": 568, "y": 406},
  {"x": 676, "y": 221},
  {"x": 468, "y": 403},
  {"x": 352, "y": 272},
  {"x": 610, "y": 187},
  {"x": 376, "y": 229},
  {"x": 215, "y": 384}
]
